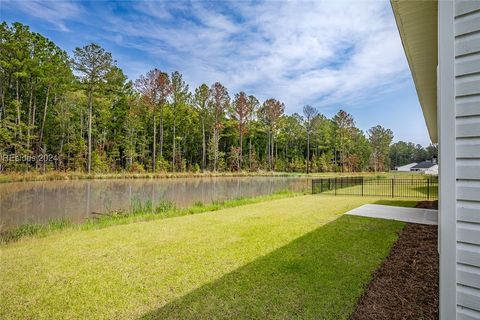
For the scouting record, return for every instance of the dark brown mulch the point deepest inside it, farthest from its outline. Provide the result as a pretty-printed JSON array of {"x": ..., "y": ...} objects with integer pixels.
[
  {"x": 427, "y": 204},
  {"x": 406, "y": 284}
]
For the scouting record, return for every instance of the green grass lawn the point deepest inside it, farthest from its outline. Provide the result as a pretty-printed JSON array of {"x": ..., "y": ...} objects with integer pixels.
[{"x": 288, "y": 258}]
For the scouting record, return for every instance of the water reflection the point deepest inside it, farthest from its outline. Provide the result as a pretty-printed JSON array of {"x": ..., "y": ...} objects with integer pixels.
[{"x": 28, "y": 202}]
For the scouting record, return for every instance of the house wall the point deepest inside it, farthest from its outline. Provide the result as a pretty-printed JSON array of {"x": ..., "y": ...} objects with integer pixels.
[
  {"x": 447, "y": 144},
  {"x": 466, "y": 28}
]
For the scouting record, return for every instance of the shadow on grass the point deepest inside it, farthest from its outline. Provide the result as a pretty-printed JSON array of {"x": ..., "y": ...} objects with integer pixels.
[
  {"x": 429, "y": 193},
  {"x": 319, "y": 275}
]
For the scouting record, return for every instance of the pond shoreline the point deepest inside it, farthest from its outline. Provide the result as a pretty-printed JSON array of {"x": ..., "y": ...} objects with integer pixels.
[
  {"x": 143, "y": 212},
  {"x": 38, "y": 202},
  {"x": 78, "y": 175},
  {"x": 74, "y": 175}
]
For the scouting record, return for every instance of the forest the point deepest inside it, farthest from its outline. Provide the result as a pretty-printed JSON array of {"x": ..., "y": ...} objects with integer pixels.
[{"x": 80, "y": 112}]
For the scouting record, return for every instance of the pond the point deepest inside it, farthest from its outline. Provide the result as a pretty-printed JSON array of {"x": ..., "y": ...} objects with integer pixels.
[{"x": 39, "y": 202}]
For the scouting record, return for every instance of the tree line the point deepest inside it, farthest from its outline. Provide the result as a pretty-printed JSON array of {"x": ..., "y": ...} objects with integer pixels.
[
  {"x": 83, "y": 110},
  {"x": 402, "y": 153}
]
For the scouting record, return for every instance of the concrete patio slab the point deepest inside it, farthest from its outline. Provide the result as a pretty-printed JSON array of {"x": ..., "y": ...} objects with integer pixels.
[{"x": 411, "y": 215}]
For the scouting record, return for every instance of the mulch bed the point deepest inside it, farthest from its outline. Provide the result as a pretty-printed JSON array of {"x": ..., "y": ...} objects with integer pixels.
[
  {"x": 406, "y": 284},
  {"x": 427, "y": 204}
]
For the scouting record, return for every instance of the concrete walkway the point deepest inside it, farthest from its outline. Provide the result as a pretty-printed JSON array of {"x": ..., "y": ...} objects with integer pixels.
[{"x": 412, "y": 215}]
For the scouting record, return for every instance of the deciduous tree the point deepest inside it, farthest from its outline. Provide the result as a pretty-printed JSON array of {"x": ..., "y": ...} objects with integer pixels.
[
  {"x": 272, "y": 110},
  {"x": 155, "y": 88}
]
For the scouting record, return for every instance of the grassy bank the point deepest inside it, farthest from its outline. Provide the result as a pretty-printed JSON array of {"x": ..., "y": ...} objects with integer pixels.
[
  {"x": 77, "y": 175},
  {"x": 138, "y": 212},
  {"x": 288, "y": 258}
]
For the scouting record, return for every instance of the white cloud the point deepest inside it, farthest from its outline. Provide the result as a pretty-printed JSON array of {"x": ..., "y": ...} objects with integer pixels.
[
  {"x": 323, "y": 53},
  {"x": 55, "y": 13},
  {"x": 320, "y": 53}
]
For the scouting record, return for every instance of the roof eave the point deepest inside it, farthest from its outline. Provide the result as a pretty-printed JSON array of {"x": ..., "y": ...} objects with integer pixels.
[{"x": 417, "y": 25}]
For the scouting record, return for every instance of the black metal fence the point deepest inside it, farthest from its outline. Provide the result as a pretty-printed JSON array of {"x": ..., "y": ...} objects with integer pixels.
[{"x": 393, "y": 188}]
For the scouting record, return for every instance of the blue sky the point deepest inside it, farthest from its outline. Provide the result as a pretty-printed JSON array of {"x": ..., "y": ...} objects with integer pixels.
[{"x": 329, "y": 54}]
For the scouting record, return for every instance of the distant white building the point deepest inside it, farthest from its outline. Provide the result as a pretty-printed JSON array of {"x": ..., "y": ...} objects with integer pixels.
[
  {"x": 432, "y": 170},
  {"x": 406, "y": 168},
  {"x": 425, "y": 166}
]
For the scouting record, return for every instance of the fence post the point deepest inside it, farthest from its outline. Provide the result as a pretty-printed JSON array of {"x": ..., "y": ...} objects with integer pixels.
[
  {"x": 428, "y": 189},
  {"x": 362, "y": 186},
  {"x": 335, "y": 186},
  {"x": 393, "y": 188},
  {"x": 321, "y": 186}
]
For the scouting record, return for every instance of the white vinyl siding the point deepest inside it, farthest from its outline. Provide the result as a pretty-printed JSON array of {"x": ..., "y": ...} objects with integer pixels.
[{"x": 467, "y": 111}]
